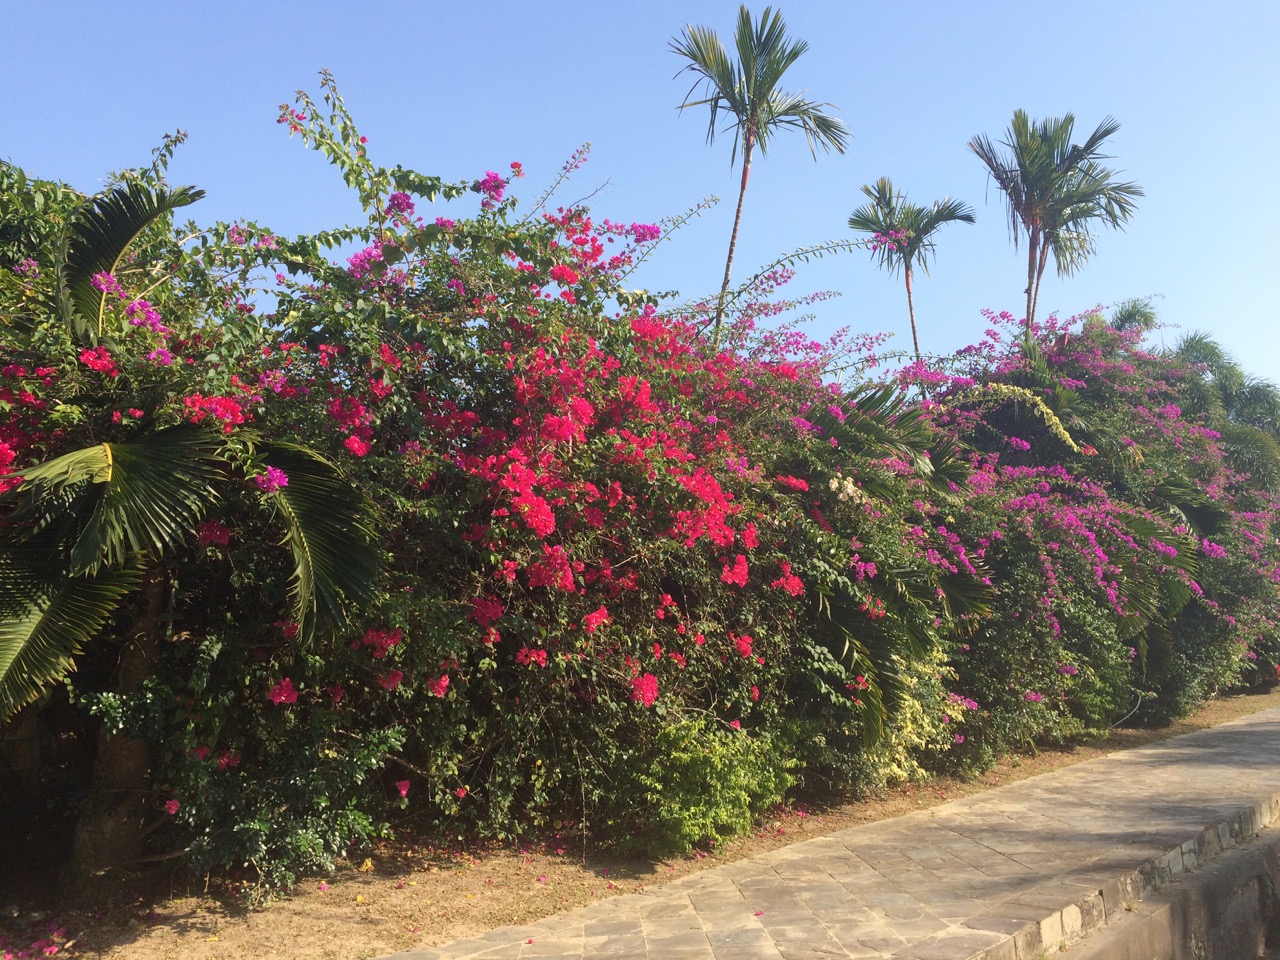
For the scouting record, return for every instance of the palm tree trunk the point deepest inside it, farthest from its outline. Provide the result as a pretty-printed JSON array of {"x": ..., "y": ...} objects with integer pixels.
[
  {"x": 1044, "y": 257},
  {"x": 911, "y": 312},
  {"x": 747, "y": 144},
  {"x": 1033, "y": 249},
  {"x": 110, "y": 831}
]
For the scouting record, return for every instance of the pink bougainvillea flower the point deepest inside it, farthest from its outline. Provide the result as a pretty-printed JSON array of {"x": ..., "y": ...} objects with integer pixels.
[
  {"x": 439, "y": 685},
  {"x": 392, "y": 679},
  {"x": 485, "y": 610},
  {"x": 565, "y": 275},
  {"x": 283, "y": 692},
  {"x": 225, "y": 409},
  {"x": 211, "y": 532},
  {"x": 271, "y": 480},
  {"x": 357, "y": 446},
  {"x": 592, "y": 621},
  {"x": 737, "y": 574},
  {"x": 460, "y": 792},
  {"x": 400, "y": 203},
  {"x": 526, "y": 656},
  {"x": 403, "y": 787},
  {"x": 171, "y": 807},
  {"x": 644, "y": 689},
  {"x": 788, "y": 581},
  {"x": 100, "y": 361},
  {"x": 380, "y": 642}
]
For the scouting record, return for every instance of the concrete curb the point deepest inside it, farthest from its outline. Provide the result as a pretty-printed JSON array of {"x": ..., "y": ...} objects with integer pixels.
[{"x": 1117, "y": 898}]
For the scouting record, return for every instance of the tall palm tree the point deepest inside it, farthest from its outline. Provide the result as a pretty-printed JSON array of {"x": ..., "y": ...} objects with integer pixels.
[
  {"x": 747, "y": 90},
  {"x": 907, "y": 232},
  {"x": 1055, "y": 190}
]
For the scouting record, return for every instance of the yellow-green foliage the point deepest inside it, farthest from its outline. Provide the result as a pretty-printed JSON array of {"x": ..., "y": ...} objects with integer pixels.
[
  {"x": 917, "y": 731},
  {"x": 710, "y": 782},
  {"x": 1005, "y": 391}
]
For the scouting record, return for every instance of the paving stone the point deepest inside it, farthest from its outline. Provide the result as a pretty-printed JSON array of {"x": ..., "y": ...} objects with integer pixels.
[
  {"x": 749, "y": 951},
  {"x": 553, "y": 948},
  {"x": 951, "y": 948},
  {"x": 619, "y": 946},
  {"x": 740, "y": 936},
  {"x": 1001, "y": 875},
  {"x": 613, "y": 928}
]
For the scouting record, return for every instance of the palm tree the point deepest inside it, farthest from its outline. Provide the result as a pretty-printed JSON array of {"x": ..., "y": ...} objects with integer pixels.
[
  {"x": 747, "y": 89},
  {"x": 905, "y": 232},
  {"x": 1055, "y": 190},
  {"x": 1136, "y": 313},
  {"x": 1243, "y": 408}
]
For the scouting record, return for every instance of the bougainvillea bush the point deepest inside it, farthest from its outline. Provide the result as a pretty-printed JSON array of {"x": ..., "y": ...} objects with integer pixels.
[
  {"x": 481, "y": 540},
  {"x": 626, "y": 580},
  {"x": 1134, "y": 569}
]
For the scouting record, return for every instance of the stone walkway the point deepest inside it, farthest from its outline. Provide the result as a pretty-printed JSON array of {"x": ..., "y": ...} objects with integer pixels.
[{"x": 1014, "y": 873}]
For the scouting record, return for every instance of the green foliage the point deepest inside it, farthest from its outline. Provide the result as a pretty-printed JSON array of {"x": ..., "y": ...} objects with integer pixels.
[
  {"x": 99, "y": 235},
  {"x": 464, "y": 534},
  {"x": 710, "y": 783}
]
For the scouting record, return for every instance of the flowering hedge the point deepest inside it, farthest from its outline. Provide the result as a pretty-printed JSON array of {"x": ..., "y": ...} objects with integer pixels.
[{"x": 626, "y": 580}]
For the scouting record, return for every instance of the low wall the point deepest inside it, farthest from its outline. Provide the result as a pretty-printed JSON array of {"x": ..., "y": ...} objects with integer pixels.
[{"x": 1224, "y": 908}]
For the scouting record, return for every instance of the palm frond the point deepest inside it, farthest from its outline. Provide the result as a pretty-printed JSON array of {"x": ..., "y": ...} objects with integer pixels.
[
  {"x": 143, "y": 495},
  {"x": 1257, "y": 403},
  {"x": 747, "y": 87},
  {"x": 889, "y": 212},
  {"x": 99, "y": 236},
  {"x": 1253, "y": 451},
  {"x": 328, "y": 529},
  {"x": 868, "y": 650},
  {"x": 880, "y": 423},
  {"x": 1189, "y": 505},
  {"x": 1135, "y": 313},
  {"x": 1055, "y": 189},
  {"x": 44, "y": 625}
]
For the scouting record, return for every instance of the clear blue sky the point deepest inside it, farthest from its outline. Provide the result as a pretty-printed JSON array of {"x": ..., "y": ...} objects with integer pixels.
[{"x": 456, "y": 88}]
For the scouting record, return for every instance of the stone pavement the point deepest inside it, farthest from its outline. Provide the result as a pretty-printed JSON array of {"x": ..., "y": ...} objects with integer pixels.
[{"x": 1014, "y": 873}]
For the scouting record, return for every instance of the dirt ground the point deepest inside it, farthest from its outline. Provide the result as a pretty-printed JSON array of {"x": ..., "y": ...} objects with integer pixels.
[{"x": 414, "y": 893}]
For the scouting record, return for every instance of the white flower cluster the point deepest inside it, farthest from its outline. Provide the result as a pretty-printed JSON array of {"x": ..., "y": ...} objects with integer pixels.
[{"x": 848, "y": 489}]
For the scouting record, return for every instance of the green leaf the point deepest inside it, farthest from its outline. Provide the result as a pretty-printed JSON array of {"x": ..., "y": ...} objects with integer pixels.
[
  {"x": 98, "y": 238},
  {"x": 44, "y": 625},
  {"x": 328, "y": 529},
  {"x": 143, "y": 495}
]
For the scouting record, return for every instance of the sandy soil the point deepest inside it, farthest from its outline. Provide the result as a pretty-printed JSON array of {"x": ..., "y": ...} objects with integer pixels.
[{"x": 420, "y": 893}]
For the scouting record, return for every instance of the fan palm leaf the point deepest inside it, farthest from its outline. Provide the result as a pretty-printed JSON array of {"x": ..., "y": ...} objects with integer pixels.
[
  {"x": 44, "y": 624},
  {"x": 143, "y": 495},
  {"x": 328, "y": 529},
  {"x": 97, "y": 239}
]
